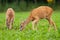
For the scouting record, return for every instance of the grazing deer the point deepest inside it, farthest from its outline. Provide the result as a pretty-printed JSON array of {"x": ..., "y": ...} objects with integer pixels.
[
  {"x": 9, "y": 18},
  {"x": 39, "y": 13}
]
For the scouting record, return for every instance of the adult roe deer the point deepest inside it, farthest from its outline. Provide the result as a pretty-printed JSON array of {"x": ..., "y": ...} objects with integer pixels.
[
  {"x": 9, "y": 18},
  {"x": 37, "y": 14}
]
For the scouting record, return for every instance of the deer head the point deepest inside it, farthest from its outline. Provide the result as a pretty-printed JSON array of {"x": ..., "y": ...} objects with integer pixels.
[{"x": 22, "y": 25}]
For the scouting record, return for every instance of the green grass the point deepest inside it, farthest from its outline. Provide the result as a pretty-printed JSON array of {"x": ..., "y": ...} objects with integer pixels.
[{"x": 28, "y": 34}]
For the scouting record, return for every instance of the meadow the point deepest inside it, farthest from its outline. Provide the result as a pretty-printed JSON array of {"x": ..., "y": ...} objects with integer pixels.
[{"x": 28, "y": 34}]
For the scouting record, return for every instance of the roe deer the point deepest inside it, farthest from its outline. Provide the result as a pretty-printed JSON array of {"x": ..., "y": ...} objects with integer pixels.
[
  {"x": 9, "y": 18},
  {"x": 39, "y": 13}
]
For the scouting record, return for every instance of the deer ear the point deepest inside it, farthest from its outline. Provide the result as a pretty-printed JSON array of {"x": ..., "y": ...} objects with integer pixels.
[{"x": 23, "y": 20}]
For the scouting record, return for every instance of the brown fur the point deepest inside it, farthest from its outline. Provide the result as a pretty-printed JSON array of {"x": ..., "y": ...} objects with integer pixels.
[
  {"x": 37, "y": 14},
  {"x": 9, "y": 18}
]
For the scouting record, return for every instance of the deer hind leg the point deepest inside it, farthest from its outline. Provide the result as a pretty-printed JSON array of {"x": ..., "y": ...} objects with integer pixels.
[
  {"x": 51, "y": 22},
  {"x": 34, "y": 24}
]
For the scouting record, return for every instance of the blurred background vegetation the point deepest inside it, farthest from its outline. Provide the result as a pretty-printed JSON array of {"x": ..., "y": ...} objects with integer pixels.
[{"x": 26, "y": 5}]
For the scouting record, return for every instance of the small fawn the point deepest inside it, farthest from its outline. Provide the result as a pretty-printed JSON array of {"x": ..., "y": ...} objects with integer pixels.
[
  {"x": 9, "y": 18},
  {"x": 37, "y": 14}
]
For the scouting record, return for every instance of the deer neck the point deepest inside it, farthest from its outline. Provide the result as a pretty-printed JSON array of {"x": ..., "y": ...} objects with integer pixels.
[{"x": 27, "y": 21}]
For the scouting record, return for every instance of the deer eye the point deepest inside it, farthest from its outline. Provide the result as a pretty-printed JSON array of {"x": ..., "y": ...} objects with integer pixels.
[{"x": 20, "y": 26}]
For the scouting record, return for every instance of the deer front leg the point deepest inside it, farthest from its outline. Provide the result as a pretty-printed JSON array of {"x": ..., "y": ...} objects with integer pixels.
[
  {"x": 11, "y": 23},
  {"x": 34, "y": 24},
  {"x": 7, "y": 23},
  {"x": 12, "y": 20}
]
